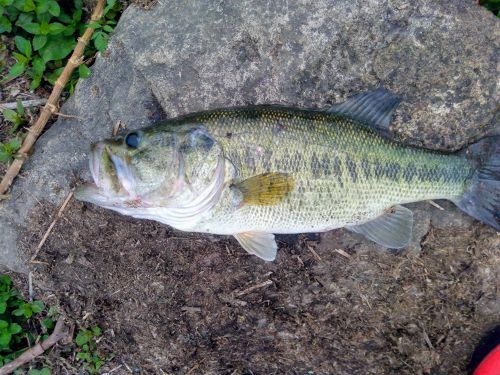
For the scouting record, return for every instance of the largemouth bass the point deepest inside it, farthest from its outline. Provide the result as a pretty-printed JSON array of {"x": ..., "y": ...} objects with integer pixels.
[{"x": 255, "y": 171}]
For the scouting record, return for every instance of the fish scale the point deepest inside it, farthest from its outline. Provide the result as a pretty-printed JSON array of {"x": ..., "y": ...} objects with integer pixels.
[{"x": 343, "y": 171}]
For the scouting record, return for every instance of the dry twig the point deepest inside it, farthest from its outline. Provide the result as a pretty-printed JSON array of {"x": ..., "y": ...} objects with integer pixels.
[
  {"x": 60, "y": 332},
  {"x": 51, "y": 226},
  {"x": 51, "y": 105},
  {"x": 252, "y": 288}
]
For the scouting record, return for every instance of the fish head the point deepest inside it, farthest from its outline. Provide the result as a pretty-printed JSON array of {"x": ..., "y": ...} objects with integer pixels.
[{"x": 151, "y": 167}]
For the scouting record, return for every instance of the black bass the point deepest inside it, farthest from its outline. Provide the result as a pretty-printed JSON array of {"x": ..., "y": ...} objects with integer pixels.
[{"x": 251, "y": 172}]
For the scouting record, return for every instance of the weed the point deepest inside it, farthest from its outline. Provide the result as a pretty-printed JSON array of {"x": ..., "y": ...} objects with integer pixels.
[
  {"x": 493, "y": 5},
  {"x": 15, "y": 315},
  {"x": 86, "y": 341},
  {"x": 45, "y": 34}
]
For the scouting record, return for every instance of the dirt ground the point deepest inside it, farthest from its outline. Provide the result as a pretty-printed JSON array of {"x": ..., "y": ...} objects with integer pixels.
[{"x": 177, "y": 303}]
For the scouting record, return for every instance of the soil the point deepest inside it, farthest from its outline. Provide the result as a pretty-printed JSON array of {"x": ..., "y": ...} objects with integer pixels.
[{"x": 171, "y": 302}]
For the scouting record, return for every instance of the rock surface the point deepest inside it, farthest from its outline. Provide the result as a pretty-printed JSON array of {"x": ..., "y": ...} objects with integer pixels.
[{"x": 440, "y": 57}]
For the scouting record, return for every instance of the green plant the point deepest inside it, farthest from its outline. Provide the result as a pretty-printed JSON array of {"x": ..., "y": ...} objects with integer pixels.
[
  {"x": 17, "y": 117},
  {"x": 15, "y": 314},
  {"x": 493, "y": 5},
  {"x": 43, "y": 371},
  {"x": 9, "y": 149},
  {"x": 86, "y": 342},
  {"x": 45, "y": 34}
]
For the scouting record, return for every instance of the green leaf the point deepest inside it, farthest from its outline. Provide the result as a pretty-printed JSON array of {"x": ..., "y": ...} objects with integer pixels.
[
  {"x": 48, "y": 323},
  {"x": 109, "y": 6},
  {"x": 6, "y": 3},
  {"x": 57, "y": 48},
  {"x": 5, "y": 338},
  {"x": 100, "y": 42},
  {"x": 16, "y": 70},
  {"x": 38, "y": 66},
  {"x": 44, "y": 28},
  {"x": 15, "y": 328},
  {"x": 3, "y": 324},
  {"x": 39, "y": 41},
  {"x": 54, "y": 8},
  {"x": 83, "y": 71},
  {"x": 42, "y": 7},
  {"x": 19, "y": 107},
  {"x": 10, "y": 115},
  {"x": 81, "y": 339},
  {"x": 23, "y": 45},
  {"x": 108, "y": 28},
  {"x": 37, "y": 306},
  {"x": 44, "y": 18},
  {"x": 94, "y": 25},
  {"x": 96, "y": 331},
  {"x": 20, "y": 58},
  {"x": 85, "y": 356},
  {"x": 5, "y": 25},
  {"x": 32, "y": 28},
  {"x": 35, "y": 82},
  {"x": 25, "y": 5},
  {"x": 56, "y": 28}
]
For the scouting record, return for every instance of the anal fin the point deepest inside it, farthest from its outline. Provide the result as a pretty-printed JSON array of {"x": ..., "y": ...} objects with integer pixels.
[
  {"x": 393, "y": 229},
  {"x": 257, "y": 243}
]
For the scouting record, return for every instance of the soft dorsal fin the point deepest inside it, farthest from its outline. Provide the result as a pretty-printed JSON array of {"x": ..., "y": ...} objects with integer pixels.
[
  {"x": 265, "y": 189},
  {"x": 261, "y": 244},
  {"x": 372, "y": 108},
  {"x": 392, "y": 229}
]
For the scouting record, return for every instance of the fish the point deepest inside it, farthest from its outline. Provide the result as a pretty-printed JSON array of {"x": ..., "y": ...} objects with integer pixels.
[{"x": 253, "y": 172}]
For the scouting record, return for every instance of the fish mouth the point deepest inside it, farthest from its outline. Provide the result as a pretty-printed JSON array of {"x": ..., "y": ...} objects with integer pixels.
[
  {"x": 110, "y": 172},
  {"x": 94, "y": 161}
]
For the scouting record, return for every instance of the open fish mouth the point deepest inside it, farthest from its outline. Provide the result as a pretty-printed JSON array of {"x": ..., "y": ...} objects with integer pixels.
[
  {"x": 94, "y": 161},
  {"x": 110, "y": 173}
]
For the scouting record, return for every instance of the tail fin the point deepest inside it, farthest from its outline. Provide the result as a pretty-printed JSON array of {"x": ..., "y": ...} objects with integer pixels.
[{"x": 482, "y": 198}]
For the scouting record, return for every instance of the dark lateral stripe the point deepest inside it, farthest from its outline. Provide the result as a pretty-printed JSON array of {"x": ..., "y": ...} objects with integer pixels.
[
  {"x": 365, "y": 167},
  {"x": 351, "y": 166},
  {"x": 337, "y": 170}
]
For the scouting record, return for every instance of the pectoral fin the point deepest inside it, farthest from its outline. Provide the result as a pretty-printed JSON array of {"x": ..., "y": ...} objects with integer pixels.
[
  {"x": 261, "y": 244},
  {"x": 265, "y": 189},
  {"x": 392, "y": 229}
]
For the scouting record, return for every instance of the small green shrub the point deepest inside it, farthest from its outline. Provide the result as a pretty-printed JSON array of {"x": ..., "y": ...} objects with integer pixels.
[
  {"x": 493, "y": 5},
  {"x": 86, "y": 342},
  {"x": 15, "y": 313},
  {"x": 45, "y": 34}
]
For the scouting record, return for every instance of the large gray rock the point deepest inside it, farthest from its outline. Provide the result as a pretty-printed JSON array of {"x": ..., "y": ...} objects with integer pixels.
[{"x": 440, "y": 57}]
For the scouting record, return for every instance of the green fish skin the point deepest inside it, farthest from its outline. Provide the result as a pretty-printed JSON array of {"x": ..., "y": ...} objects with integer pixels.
[{"x": 254, "y": 171}]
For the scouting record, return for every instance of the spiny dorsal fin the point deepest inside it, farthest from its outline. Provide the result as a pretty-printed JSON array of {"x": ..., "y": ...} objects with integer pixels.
[
  {"x": 392, "y": 229},
  {"x": 261, "y": 244},
  {"x": 265, "y": 189},
  {"x": 372, "y": 108}
]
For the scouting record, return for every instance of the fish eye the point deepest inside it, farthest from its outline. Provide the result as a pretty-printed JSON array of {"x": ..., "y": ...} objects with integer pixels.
[{"x": 132, "y": 140}]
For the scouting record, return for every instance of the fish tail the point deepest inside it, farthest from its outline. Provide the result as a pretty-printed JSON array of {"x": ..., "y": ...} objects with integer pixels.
[{"x": 481, "y": 198}]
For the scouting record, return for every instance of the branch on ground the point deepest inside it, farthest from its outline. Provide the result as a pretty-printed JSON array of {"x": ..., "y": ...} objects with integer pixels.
[
  {"x": 61, "y": 331},
  {"x": 51, "y": 106}
]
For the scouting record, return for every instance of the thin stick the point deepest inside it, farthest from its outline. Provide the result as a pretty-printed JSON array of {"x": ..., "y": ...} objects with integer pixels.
[
  {"x": 51, "y": 226},
  {"x": 432, "y": 203},
  {"x": 51, "y": 105},
  {"x": 314, "y": 253},
  {"x": 343, "y": 253},
  {"x": 25, "y": 104},
  {"x": 252, "y": 288},
  {"x": 60, "y": 332}
]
